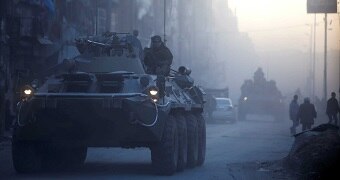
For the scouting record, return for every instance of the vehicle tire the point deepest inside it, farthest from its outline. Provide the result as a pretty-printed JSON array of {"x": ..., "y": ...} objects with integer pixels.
[
  {"x": 192, "y": 128},
  {"x": 182, "y": 142},
  {"x": 201, "y": 139},
  {"x": 25, "y": 156},
  {"x": 164, "y": 155},
  {"x": 74, "y": 157}
]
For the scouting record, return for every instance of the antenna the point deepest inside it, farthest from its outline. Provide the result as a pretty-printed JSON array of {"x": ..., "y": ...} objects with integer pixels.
[
  {"x": 164, "y": 21},
  {"x": 96, "y": 18}
]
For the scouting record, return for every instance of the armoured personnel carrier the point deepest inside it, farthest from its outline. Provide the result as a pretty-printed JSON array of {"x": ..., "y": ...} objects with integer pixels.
[
  {"x": 104, "y": 98},
  {"x": 260, "y": 96}
]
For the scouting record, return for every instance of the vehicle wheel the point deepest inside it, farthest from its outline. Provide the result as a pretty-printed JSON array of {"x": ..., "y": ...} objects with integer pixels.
[
  {"x": 61, "y": 158},
  {"x": 25, "y": 156},
  {"x": 182, "y": 142},
  {"x": 192, "y": 128},
  {"x": 164, "y": 155},
  {"x": 201, "y": 139},
  {"x": 75, "y": 157}
]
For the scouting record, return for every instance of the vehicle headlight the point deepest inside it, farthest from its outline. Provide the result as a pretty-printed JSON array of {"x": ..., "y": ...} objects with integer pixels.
[
  {"x": 245, "y": 98},
  {"x": 153, "y": 92},
  {"x": 27, "y": 92}
]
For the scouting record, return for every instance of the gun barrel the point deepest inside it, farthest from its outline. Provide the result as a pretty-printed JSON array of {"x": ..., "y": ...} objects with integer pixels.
[{"x": 98, "y": 43}]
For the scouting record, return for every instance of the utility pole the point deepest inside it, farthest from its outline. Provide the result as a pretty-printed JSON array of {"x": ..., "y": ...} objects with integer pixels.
[
  {"x": 164, "y": 21},
  {"x": 325, "y": 7},
  {"x": 310, "y": 74},
  {"x": 339, "y": 51},
  {"x": 96, "y": 18},
  {"x": 314, "y": 49},
  {"x": 2, "y": 95},
  {"x": 310, "y": 71},
  {"x": 325, "y": 63}
]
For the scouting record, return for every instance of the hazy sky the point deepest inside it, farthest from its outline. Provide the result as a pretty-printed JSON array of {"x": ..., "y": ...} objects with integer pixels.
[
  {"x": 283, "y": 26},
  {"x": 283, "y": 22}
]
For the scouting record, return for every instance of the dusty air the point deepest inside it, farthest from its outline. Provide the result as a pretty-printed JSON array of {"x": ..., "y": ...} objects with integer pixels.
[{"x": 153, "y": 89}]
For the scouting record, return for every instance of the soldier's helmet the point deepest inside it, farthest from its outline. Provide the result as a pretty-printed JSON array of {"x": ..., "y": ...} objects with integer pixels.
[
  {"x": 156, "y": 41},
  {"x": 333, "y": 94},
  {"x": 181, "y": 70}
]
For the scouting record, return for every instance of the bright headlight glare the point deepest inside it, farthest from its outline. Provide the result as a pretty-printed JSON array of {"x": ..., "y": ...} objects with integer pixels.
[
  {"x": 28, "y": 92},
  {"x": 153, "y": 92}
]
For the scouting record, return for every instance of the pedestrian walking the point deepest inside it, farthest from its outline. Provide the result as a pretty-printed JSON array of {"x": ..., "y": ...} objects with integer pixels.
[
  {"x": 332, "y": 109},
  {"x": 306, "y": 114},
  {"x": 293, "y": 114}
]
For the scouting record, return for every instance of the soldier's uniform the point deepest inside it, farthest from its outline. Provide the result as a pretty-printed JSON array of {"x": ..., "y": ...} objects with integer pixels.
[{"x": 158, "y": 57}]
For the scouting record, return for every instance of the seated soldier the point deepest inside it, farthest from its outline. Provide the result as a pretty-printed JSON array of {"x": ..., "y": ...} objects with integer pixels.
[
  {"x": 183, "y": 79},
  {"x": 158, "y": 57}
]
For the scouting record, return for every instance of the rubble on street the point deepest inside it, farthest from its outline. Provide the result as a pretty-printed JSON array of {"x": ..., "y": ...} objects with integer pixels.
[{"x": 315, "y": 153}]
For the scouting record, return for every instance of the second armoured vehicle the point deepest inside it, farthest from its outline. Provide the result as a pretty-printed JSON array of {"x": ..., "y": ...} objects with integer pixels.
[
  {"x": 260, "y": 96},
  {"x": 104, "y": 98}
]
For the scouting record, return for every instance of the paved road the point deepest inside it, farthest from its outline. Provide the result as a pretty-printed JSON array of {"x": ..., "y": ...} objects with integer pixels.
[{"x": 256, "y": 140}]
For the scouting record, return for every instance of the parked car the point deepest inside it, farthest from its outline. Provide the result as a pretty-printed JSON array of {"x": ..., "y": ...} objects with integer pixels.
[{"x": 224, "y": 110}]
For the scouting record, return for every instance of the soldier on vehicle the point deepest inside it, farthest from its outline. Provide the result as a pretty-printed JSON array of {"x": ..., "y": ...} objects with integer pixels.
[
  {"x": 158, "y": 57},
  {"x": 306, "y": 114},
  {"x": 333, "y": 109},
  {"x": 293, "y": 114},
  {"x": 183, "y": 78}
]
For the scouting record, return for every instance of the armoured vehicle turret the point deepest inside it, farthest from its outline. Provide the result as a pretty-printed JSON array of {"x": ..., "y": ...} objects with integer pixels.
[
  {"x": 259, "y": 96},
  {"x": 104, "y": 98}
]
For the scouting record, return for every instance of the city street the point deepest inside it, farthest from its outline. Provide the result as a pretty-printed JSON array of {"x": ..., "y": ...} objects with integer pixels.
[
  {"x": 145, "y": 73},
  {"x": 234, "y": 151}
]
